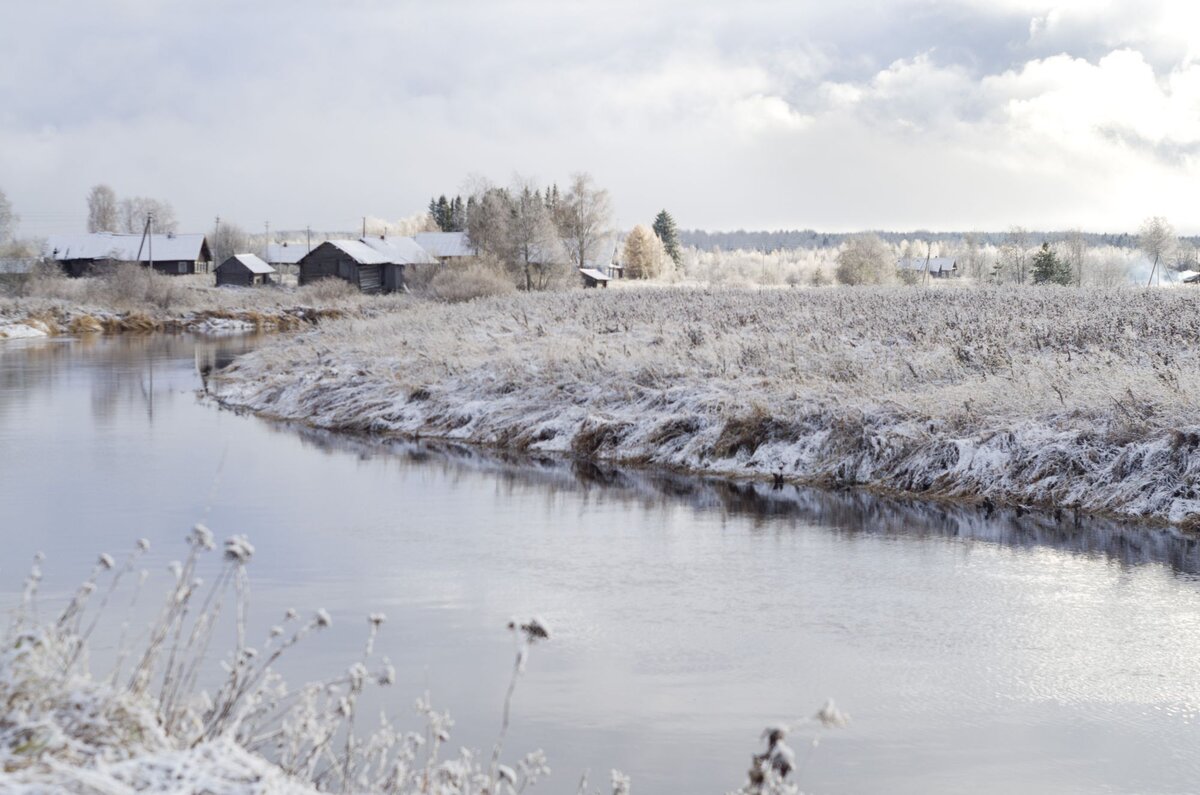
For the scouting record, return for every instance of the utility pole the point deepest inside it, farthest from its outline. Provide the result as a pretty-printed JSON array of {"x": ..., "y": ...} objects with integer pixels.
[
  {"x": 267, "y": 241},
  {"x": 308, "y": 236},
  {"x": 150, "y": 238},
  {"x": 364, "y": 226},
  {"x": 216, "y": 235}
]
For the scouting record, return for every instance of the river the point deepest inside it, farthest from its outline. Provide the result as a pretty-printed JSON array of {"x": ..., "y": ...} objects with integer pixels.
[{"x": 999, "y": 654}]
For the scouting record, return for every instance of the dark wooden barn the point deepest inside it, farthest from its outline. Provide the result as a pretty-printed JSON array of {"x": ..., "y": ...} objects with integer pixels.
[
  {"x": 243, "y": 270},
  {"x": 349, "y": 260}
]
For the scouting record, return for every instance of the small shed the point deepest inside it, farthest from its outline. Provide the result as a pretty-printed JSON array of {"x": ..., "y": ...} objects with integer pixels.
[
  {"x": 243, "y": 270},
  {"x": 593, "y": 278}
]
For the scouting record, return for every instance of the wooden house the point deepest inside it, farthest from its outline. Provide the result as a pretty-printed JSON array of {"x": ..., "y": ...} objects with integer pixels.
[
  {"x": 171, "y": 253},
  {"x": 243, "y": 270},
  {"x": 349, "y": 260},
  {"x": 398, "y": 253},
  {"x": 939, "y": 267},
  {"x": 447, "y": 247}
]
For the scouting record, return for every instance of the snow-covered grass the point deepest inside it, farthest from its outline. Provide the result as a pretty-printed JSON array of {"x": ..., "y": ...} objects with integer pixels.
[
  {"x": 149, "y": 726},
  {"x": 1062, "y": 397}
]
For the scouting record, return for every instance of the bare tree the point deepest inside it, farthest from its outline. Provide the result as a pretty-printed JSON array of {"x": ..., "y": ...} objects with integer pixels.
[
  {"x": 1013, "y": 262},
  {"x": 531, "y": 240},
  {"x": 865, "y": 259},
  {"x": 102, "y": 209},
  {"x": 1075, "y": 254},
  {"x": 8, "y": 220},
  {"x": 973, "y": 259},
  {"x": 135, "y": 210},
  {"x": 1157, "y": 241},
  {"x": 583, "y": 217},
  {"x": 487, "y": 220},
  {"x": 225, "y": 240}
]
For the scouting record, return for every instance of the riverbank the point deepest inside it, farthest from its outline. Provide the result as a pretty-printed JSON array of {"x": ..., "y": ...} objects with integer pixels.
[
  {"x": 138, "y": 300},
  {"x": 1080, "y": 400}
]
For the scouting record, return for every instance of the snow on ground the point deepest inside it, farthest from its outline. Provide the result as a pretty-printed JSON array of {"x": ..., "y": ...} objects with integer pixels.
[
  {"x": 1052, "y": 396},
  {"x": 13, "y": 330}
]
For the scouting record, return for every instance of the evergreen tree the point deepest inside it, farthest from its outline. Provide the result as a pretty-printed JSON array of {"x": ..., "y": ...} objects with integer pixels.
[
  {"x": 458, "y": 215},
  {"x": 1049, "y": 269},
  {"x": 664, "y": 227}
]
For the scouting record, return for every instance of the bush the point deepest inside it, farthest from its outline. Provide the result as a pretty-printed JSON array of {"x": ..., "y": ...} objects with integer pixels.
[
  {"x": 479, "y": 280},
  {"x": 328, "y": 290}
]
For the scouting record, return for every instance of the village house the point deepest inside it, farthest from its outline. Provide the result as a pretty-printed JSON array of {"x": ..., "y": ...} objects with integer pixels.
[
  {"x": 285, "y": 256},
  {"x": 372, "y": 264},
  {"x": 84, "y": 253},
  {"x": 939, "y": 267},
  {"x": 243, "y": 270},
  {"x": 447, "y": 247}
]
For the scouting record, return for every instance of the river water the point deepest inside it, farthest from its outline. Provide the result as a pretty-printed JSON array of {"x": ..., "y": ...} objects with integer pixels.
[{"x": 1001, "y": 654}]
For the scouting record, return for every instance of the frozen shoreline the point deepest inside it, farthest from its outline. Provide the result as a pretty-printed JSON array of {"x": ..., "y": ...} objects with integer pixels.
[{"x": 962, "y": 394}]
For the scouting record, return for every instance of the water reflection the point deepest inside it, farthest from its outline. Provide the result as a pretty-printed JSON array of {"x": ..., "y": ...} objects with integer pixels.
[{"x": 846, "y": 512}]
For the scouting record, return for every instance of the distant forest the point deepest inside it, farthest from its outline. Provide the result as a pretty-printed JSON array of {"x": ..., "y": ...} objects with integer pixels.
[{"x": 808, "y": 238}]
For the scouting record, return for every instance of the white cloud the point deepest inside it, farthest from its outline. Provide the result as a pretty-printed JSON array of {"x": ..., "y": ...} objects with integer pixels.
[{"x": 766, "y": 114}]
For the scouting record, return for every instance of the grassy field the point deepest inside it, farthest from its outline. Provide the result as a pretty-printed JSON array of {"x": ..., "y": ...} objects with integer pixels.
[{"x": 1057, "y": 397}]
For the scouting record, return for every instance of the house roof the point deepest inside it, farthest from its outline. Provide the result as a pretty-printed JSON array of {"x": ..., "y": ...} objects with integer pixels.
[
  {"x": 285, "y": 253},
  {"x": 445, "y": 244},
  {"x": 356, "y": 250},
  {"x": 109, "y": 245},
  {"x": 594, "y": 274},
  {"x": 918, "y": 264},
  {"x": 399, "y": 250},
  {"x": 252, "y": 262}
]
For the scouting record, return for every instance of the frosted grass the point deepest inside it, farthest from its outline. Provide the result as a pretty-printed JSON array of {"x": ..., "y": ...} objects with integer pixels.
[{"x": 1066, "y": 398}]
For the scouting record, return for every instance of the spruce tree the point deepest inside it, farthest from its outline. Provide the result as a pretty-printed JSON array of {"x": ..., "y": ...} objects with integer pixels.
[
  {"x": 1049, "y": 269},
  {"x": 664, "y": 228}
]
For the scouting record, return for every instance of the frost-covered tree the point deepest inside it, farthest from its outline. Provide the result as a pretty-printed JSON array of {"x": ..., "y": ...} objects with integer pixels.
[
  {"x": 1157, "y": 241},
  {"x": 227, "y": 239},
  {"x": 135, "y": 210},
  {"x": 531, "y": 239},
  {"x": 583, "y": 217},
  {"x": 664, "y": 227},
  {"x": 102, "y": 209},
  {"x": 1048, "y": 268},
  {"x": 8, "y": 220},
  {"x": 1076, "y": 254},
  {"x": 865, "y": 259},
  {"x": 1012, "y": 263},
  {"x": 644, "y": 256}
]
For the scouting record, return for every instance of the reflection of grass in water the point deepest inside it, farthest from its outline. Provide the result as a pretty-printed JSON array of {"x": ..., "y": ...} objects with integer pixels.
[{"x": 153, "y": 728}]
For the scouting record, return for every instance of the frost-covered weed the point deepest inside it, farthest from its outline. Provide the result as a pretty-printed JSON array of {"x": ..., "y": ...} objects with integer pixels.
[
  {"x": 155, "y": 729},
  {"x": 1046, "y": 395}
]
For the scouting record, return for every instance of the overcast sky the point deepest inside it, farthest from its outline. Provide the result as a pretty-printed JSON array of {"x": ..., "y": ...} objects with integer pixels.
[{"x": 901, "y": 115}]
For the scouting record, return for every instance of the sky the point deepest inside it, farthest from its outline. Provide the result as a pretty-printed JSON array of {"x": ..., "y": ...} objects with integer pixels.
[{"x": 913, "y": 114}]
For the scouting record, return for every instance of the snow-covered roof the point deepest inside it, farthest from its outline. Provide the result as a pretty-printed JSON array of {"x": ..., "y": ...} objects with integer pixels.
[
  {"x": 358, "y": 251},
  {"x": 285, "y": 253},
  {"x": 109, "y": 245},
  {"x": 252, "y": 263},
  {"x": 594, "y": 274},
  {"x": 918, "y": 263},
  {"x": 399, "y": 250},
  {"x": 445, "y": 244}
]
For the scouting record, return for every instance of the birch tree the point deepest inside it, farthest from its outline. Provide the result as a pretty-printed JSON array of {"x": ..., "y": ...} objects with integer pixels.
[
  {"x": 1157, "y": 241},
  {"x": 102, "y": 209},
  {"x": 583, "y": 217},
  {"x": 8, "y": 219}
]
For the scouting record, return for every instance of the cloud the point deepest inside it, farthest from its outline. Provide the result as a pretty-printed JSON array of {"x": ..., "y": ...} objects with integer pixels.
[{"x": 765, "y": 114}]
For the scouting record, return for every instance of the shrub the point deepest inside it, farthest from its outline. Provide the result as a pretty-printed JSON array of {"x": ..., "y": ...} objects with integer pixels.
[
  {"x": 328, "y": 290},
  {"x": 479, "y": 280}
]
